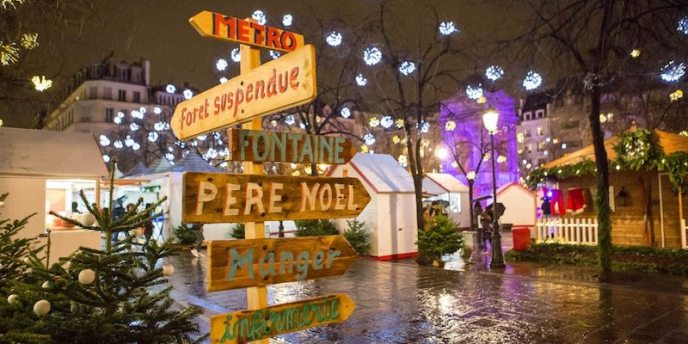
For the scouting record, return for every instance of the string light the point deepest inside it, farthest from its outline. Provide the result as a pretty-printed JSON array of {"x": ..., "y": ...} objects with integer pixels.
[
  {"x": 407, "y": 67},
  {"x": 188, "y": 94},
  {"x": 361, "y": 80},
  {"x": 134, "y": 127},
  {"x": 372, "y": 56},
  {"x": 532, "y": 81},
  {"x": 221, "y": 64},
  {"x": 136, "y": 114},
  {"x": 676, "y": 95},
  {"x": 424, "y": 127},
  {"x": 8, "y": 53},
  {"x": 159, "y": 126},
  {"x": 682, "y": 25},
  {"x": 334, "y": 39},
  {"x": 118, "y": 144},
  {"x": 289, "y": 120},
  {"x": 152, "y": 136},
  {"x": 40, "y": 83},
  {"x": 274, "y": 54},
  {"x": 369, "y": 139},
  {"x": 106, "y": 158},
  {"x": 446, "y": 28},
  {"x": 399, "y": 123},
  {"x": 494, "y": 73},
  {"x": 287, "y": 20},
  {"x": 474, "y": 92},
  {"x": 29, "y": 41},
  {"x": 345, "y": 112},
  {"x": 157, "y": 110},
  {"x": 635, "y": 53},
  {"x": 386, "y": 122},
  {"x": 673, "y": 71},
  {"x": 236, "y": 55},
  {"x": 104, "y": 141},
  {"x": 373, "y": 122},
  {"x": 259, "y": 16},
  {"x": 170, "y": 88}
]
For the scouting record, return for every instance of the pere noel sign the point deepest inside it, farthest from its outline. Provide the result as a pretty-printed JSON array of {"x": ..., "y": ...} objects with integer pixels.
[
  {"x": 230, "y": 198},
  {"x": 272, "y": 87}
]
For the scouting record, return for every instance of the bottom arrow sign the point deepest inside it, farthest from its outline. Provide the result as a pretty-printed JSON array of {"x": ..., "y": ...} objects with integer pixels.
[{"x": 249, "y": 325}]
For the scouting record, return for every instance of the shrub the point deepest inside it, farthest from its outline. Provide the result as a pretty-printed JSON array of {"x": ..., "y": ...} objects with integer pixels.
[
  {"x": 315, "y": 228},
  {"x": 439, "y": 239},
  {"x": 238, "y": 231},
  {"x": 185, "y": 233},
  {"x": 358, "y": 237}
]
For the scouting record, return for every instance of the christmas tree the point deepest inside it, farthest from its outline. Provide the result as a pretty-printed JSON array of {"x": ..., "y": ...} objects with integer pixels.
[{"x": 116, "y": 295}]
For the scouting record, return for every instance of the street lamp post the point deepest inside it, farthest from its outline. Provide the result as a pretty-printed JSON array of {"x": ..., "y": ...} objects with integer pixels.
[{"x": 490, "y": 121}]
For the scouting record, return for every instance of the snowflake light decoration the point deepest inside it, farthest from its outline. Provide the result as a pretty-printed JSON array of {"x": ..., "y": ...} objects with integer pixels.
[
  {"x": 236, "y": 55},
  {"x": 424, "y": 127},
  {"x": 5, "y": 4},
  {"x": 290, "y": 120},
  {"x": 334, "y": 39},
  {"x": 274, "y": 54},
  {"x": 40, "y": 83},
  {"x": 407, "y": 67},
  {"x": 118, "y": 144},
  {"x": 673, "y": 71},
  {"x": 532, "y": 81},
  {"x": 403, "y": 160},
  {"x": 104, "y": 141},
  {"x": 117, "y": 120},
  {"x": 134, "y": 127},
  {"x": 188, "y": 94},
  {"x": 450, "y": 125},
  {"x": 446, "y": 28},
  {"x": 399, "y": 123},
  {"x": 128, "y": 141},
  {"x": 221, "y": 64},
  {"x": 373, "y": 122},
  {"x": 223, "y": 80},
  {"x": 372, "y": 56},
  {"x": 158, "y": 126},
  {"x": 136, "y": 114},
  {"x": 201, "y": 137},
  {"x": 157, "y": 110},
  {"x": 361, "y": 80},
  {"x": 29, "y": 41},
  {"x": 8, "y": 53},
  {"x": 682, "y": 25},
  {"x": 501, "y": 159},
  {"x": 152, "y": 136},
  {"x": 369, "y": 139},
  {"x": 287, "y": 20},
  {"x": 494, "y": 73},
  {"x": 676, "y": 95},
  {"x": 386, "y": 122},
  {"x": 106, "y": 158},
  {"x": 170, "y": 88},
  {"x": 345, "y": 112},
  {"x": 474, "y": 92},
  {"x": 169, "y": 157},
  {"x": 142, "y": 110},
  {"x": 259, "y": 16}
]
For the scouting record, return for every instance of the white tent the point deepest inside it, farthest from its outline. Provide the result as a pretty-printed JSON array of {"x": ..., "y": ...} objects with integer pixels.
[
  {"x": 391, "y": 214},
  {"x": 43, "y": 170},
  {"x": 520, "y": 205},
  {"x": 444, "y": 187}
]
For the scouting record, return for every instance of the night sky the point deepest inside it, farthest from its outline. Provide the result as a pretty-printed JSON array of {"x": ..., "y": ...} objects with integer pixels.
[{"x": 159, "y": 31}]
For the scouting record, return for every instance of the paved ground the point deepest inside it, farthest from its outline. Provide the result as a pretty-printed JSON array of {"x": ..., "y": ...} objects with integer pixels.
[{"x": 405, "y": 303}]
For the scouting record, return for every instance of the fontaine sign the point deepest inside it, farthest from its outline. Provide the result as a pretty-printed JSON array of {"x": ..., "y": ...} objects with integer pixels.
[{"x": 277, "y": 85}]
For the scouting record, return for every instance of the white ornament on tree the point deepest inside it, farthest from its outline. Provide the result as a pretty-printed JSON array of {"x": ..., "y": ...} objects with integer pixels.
[
  {"x": 45, "y": 285},
  {"x": 13, "y": 298},
  {"x": 41, "y": 307},
  {"x": 87, "y": 276},
  {"x": 168, "y": 269}
]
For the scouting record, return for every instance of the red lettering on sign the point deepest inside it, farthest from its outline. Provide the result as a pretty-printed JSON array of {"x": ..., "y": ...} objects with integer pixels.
[
  {"x": 288, "y": 40},
  {"x": 258, "y": 33},
  {"x": 293, "y": 78},
  {"x": 242, "y": 31},
  {"x": 273, "y": 38}
]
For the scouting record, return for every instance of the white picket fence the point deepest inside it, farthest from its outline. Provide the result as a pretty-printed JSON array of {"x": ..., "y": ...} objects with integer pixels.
[{"x": 567, "y": 230}]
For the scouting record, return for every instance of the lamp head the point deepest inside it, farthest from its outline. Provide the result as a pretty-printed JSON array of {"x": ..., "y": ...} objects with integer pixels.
[{"x": 490, "y": 118}]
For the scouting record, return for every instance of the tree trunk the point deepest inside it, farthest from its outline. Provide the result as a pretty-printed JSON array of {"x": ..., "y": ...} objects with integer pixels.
[
  {"x": 418, "y": 188},
  {"x": 604, "y": 233}
]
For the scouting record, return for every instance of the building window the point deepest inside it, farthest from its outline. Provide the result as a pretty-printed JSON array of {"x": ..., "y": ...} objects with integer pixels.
[
  {"x": 539, "y": 113},
  {"x": 109, "y": 114},
  {"x": 540, "y": 131},
  {"x": 122, "y": 95},
  {"x": 93, "y": 93},
  {"x": 529, "y": 148},
  {"x": 527, "y": 133},
  {"x": 527, "y": 116},
  {"x": 137, "y": 97},
  {"x": 107, "y": 93},
  {"x": 541, "y": 146}
]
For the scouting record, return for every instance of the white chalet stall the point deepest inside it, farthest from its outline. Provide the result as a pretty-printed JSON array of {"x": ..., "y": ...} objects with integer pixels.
[
  {"x": 391, "y": 214},
  {"x": 520, "y": 203},
  {"x": 444, "y": 187},
  {"x": 44, "y": 170}
]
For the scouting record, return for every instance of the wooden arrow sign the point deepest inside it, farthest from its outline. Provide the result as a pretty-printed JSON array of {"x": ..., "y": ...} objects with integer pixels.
[
  {"x": 249, "y": 325},
  {"x": 258, "y": 262},
  {"x": 226, "y": 28},
  {"x": 269, "y": 146},
  {"x": 231, "y": 198},
  {"x": 275, "y": 86}
]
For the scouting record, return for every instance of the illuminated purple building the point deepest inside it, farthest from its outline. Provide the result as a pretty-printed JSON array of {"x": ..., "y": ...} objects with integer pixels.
[{"x": 467, "y": 139}]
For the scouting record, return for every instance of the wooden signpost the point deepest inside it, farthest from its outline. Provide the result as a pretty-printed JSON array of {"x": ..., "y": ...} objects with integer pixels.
[
  {"x": 268, "y": 146},
  {"x": 259, "y": 262},
  {"x": 277, "y": 85},
  {"x": 253, "y": 198},
  {"x": 242, "y": 326},
  {"x": 230, "y": 198}
]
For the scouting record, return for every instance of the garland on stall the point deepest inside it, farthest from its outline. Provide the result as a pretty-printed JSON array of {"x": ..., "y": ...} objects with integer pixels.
[{"x": 635, "y": 150}]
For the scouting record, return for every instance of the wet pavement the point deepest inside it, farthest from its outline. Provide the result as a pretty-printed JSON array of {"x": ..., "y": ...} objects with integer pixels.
[{"x": 405, "y": 303}]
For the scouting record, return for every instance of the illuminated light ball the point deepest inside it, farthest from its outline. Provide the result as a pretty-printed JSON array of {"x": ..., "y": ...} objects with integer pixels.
[
  {"x": 223, "y": 80},
  {"x": 524, "y": 162},
  {"x": 188, "y": 94},
  {"x": 41, "y": 307},
  {"x": 635, "y": 53},
  {"x": 373, "y": 122},
  {"x": 104, "y": 141},
  {"x": 682, "y": 25},
  {"x": 372, "y": 56},
  {"x": 446, "y": 28},
  {"x": 170, "y": 88},
  {"x": 135, "y": 146},
  {"x": 618, "y": 167},
  {"x": 290, "y": 120},
  {"x": 157, "y": 110},
  {"x": 529, "y": 166},
  {"x": 117, "y": 120},
  {"x": 399, "y": 123},
  {"x": 364, "y": 149},
  {"x": 274, "y": 54},
  {"x": 369, "y": 139},
  {"x": 424, "y": 127},
  {"x": 236, "y": 55},
  {"x": 450, "y": 125},
  {"x": 133, "y": 127},
  {"x": 676, "y": 95},
  {"x": 334, "y": 39},
  {"x": 386, "y": 122},
  {"x": 470, "y": 175},
  {"x": 136, "y": 114},
  {"x": 603, "y": 118},
  {"x": 168, "y": 270},
  {"x": 673, "y": 71},
  {"x": 563, "y": 146},
  {"x": 441, "y": 153},
  {"x": 481, "y": 100},
  {"x": 501, "y": 159},
  {"x": 13, "y": 298},
  {"x": 118, "y": 144},
  {"x": 532, "y": 81},
  {"x": 221, "y": 64},
  {"x": 40, "y": 83},
  {"x": 87, "y": 276},
  {"x": 494, "y": 73},
  {"x": 361, "y": 80},
  {"x": 142, "y": 110},
  {"x": 259, "y": 16},
  {"x": 273, "y": 123},
  {"x": 202, "y": 137},
  {"x": 407, "y": 67},
  {"x": 287, "y": 20},
  {"x": 474, "y": 92},
  {"x": 46, "y": 285},
  {"x": 345, "y": 112},
  {"x": 152, "y": 136},
  {"x": 106, "y": 158},
  {"x": 159, "y": 126},
  {"x": 403, "y": 160}
]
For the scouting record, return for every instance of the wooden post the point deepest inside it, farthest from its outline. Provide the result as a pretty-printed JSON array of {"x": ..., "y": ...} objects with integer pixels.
[
  {"x": 681, "y": 219},
  {"x": 256, "y": 297}
]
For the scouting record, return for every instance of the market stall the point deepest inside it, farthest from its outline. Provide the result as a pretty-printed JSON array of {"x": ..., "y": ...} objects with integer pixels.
[{"x": 443, "y": 187}]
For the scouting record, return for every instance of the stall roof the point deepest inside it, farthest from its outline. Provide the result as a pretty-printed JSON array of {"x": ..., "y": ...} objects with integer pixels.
[
  {"x": 138, "y": 170},
  {"x": 27, "y": 152},
  {"x": 381, "y": 172},
  {"x": 445, "y": 181},
  {"x": 193, "y": 163},
  {"x": 163, "y": 165},
  {"x": 669, "y": 142}
]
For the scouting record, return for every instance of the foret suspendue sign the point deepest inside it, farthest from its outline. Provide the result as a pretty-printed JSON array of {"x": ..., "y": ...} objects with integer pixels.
[
  {"x": 231, "y": 198},
  {"x": 275, "y": 86}
]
